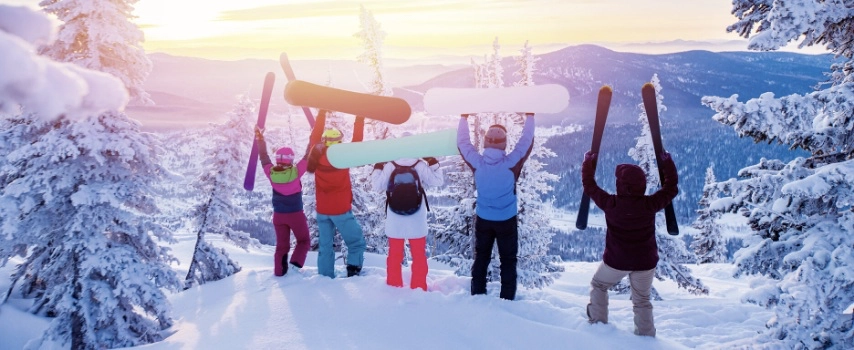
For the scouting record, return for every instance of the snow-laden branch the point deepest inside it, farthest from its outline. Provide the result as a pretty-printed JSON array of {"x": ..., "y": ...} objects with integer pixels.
[{"x": 42, "y": 86}]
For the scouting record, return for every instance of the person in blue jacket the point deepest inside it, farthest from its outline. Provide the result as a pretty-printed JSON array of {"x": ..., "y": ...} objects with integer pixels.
[{"x": 495, "y": 175}]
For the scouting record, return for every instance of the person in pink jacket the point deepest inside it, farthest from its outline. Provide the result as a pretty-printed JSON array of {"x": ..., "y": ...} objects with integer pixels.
[
  {"x": 406, "y": 218},
  {"x": 288, "y": 214}
]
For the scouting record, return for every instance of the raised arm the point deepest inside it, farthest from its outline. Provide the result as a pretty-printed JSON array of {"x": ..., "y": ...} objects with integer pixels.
[
  {"x": 263, "y": 155},
  {"x": 588, "y": 180},
  {"x": 464, "y": 144},
  {"x": 379, "y": 176},
  {"x": 526, "y": 141},
  {"x": 358, "y": 129},
  {"x": 669, "y": 182},
  {"x": 317, "y": 132},
  {"x": 430, "y": 172}
]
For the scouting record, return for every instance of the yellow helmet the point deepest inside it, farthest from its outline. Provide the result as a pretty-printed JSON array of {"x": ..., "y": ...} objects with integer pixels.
[{"x": 332, "y": 136}]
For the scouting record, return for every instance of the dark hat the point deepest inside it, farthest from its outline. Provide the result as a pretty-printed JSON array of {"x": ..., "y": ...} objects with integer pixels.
[
  {"x": 631, "y": 180},
  {"x": 496, "y": 137}
]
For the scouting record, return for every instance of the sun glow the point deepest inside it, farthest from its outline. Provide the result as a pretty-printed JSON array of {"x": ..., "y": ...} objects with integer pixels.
[{"x": 324, "y": 29}]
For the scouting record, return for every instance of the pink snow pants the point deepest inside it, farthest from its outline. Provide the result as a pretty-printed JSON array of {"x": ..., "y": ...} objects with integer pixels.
[{"x": 284, "y": 224}]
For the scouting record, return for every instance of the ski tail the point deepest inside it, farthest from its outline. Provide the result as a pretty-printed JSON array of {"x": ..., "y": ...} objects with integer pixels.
[
  {"x": 602, "y": 105},
  {"x": 651, "y": 106},
  {"x": 289, "y": 75},
  {"x": 249, "y": 180}
]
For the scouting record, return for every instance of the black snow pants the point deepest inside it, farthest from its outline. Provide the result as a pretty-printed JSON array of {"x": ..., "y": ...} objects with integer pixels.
[{"x": 487, "y": 233}]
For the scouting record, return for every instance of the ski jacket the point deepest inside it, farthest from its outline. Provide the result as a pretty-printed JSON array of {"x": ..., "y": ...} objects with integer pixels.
[
  {"x": 495, "y": 172},
  {"x": 287, "y": 198},
  {"x": 407, "y": 226},
  {"x": 630, "y": 215},
  {"x": 333, "y": 190}
]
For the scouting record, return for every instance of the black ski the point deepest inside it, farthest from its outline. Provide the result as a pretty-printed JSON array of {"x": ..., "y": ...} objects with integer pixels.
[
  {"x": 651, "y": 106},
  {"x": 602, "y": 106}
]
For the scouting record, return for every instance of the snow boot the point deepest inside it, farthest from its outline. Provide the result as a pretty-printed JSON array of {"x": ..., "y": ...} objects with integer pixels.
[
  {"x": 284, "y": 264},
  {"x": 353, "y": 270}
]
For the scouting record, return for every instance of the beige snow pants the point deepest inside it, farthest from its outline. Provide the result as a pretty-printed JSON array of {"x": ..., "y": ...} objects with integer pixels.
[{"x": 641, "y": 282}]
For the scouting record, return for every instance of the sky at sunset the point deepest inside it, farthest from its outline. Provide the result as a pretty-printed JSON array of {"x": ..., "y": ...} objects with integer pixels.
[{"x": 227, "y": 29}]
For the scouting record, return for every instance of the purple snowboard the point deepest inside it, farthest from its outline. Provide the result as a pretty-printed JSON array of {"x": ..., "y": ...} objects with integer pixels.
[{"x": 249, "y": 180}]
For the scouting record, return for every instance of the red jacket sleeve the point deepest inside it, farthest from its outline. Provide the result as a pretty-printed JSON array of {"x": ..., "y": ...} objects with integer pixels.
[
  {"x": 317, "y": 132},
  {"x": 358, "y": 129}
]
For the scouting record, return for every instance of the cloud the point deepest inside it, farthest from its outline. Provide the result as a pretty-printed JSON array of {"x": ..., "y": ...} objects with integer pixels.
[{"x": 336, "y": 9}]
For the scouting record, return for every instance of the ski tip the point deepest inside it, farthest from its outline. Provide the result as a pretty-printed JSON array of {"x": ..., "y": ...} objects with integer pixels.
[
  {"x": 648, "y": 86},
  {"x": 270, "y": 76},
  {"x": 606, "y": 88}
]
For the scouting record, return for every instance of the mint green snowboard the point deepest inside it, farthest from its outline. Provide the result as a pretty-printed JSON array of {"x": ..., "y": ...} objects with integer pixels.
[{"x": 432, "y": 144}]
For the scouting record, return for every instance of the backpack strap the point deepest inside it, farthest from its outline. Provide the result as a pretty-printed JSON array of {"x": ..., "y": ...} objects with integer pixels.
[{"x": 421, "y": 186}]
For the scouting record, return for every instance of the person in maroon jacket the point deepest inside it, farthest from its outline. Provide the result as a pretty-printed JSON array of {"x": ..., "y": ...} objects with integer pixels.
[{"x": 630, "y": 247}]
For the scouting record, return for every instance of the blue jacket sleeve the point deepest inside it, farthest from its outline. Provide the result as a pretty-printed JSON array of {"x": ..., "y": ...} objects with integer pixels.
[
  {"x": 525, "y": 141},
  {"x": 467, "y": 150}
]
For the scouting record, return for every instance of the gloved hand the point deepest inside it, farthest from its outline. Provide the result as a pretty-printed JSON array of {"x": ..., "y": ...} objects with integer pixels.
[
  {"x": 665, "y": 156},
  {"x": 431, "y": 160},
  {"x": 589, "y": 156},
  {"x": 379, "y": 166}
]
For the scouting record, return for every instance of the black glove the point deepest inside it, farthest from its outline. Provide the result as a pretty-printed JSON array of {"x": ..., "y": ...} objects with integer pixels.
[
  {"x": 379, "y": 166},
  {"x": 431, "y": 160},
  {"x": 589, "y": 156}
]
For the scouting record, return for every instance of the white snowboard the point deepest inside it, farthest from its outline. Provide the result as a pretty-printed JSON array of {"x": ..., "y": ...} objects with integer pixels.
[
  {"x": 548, "y": 98},
  {"x": 431, "y": 144}
]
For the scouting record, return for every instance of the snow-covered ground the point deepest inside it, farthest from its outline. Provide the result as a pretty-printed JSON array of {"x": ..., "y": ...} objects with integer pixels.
[{"x": 256, "y": 310}]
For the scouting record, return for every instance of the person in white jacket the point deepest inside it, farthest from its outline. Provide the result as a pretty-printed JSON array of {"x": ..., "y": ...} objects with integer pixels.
[{"x": 409, "y": 222}]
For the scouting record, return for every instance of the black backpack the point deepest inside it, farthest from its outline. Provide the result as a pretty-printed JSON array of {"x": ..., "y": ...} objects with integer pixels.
[{"x": 404, "y": 191}]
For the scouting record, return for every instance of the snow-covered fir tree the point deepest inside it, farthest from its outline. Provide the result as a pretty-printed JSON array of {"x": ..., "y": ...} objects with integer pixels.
[
  {"x": 372, "y": 37},
  {"x": 81, "y": 196},
  {"x": 217, "y": 185},
  {"x": 99, "y": 35},
  {"x": 453, "y": 227},
  {"x": 708, "y": 245},
  {"x": 369, "y": 205},
  {"x": 536, "y": 267},
  {"x": 527, "y": 66},
  {"x": 800, "y": 211},
  {"x": 672, "y": 251}
]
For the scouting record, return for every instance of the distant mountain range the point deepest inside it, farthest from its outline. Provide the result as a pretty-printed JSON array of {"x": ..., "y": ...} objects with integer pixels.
[
  {"x": 204, "y": 90},
  {"x": 685, "y": 77}
]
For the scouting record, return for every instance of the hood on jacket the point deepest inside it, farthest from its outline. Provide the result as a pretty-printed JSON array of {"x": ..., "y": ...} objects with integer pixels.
[
  {"x": 493, "y": 155},
  {"x": 631, "y": 180}
]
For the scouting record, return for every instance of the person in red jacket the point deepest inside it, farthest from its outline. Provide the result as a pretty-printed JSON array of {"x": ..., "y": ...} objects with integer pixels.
[
  {"x": 630, "y": 247},
  {"x": 334, "y": 197}
]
